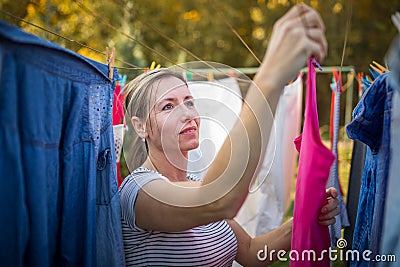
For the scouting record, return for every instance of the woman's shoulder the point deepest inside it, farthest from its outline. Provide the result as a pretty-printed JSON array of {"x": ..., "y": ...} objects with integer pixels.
[
  {"x": 141, "y": 176},
  {"x": 193, "y": 177}
]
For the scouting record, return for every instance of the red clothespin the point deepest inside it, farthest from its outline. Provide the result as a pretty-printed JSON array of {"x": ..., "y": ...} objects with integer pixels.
[
  {"x": 338, "y": 80},
  {"x": 360, "y": 75},
  {"x": 110, "y": 57}
]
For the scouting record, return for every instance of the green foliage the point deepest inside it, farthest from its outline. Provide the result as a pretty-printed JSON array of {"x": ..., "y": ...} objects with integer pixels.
[{"x": 203, "y": 28}]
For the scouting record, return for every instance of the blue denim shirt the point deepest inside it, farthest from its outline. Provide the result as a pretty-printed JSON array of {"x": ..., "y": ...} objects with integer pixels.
[
  {"x": 371, "y": 125},
  {"x": 58, "y": 189}
]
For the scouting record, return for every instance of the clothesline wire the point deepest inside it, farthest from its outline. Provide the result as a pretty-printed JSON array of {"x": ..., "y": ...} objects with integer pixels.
[
  {"x": 348, "y": 23},
  {"x": 133, "y": 67},
  {"x": 70, "y": 40},
  {"x": 108, "y": 24},
  {"x": 213, "y": 4},
  {"x": 163, "y": 35}
]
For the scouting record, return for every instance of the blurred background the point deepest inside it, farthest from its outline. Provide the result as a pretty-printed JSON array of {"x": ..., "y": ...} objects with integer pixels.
[
  {"x": 172, "y": 32},
  {"x": 177, "y": 31}
]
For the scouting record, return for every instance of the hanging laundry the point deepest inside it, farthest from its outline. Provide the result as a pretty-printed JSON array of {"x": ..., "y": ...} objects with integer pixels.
[
  {"x": 59, "y": 199},
  {"x": 356, "y": 171},
  {"x": 393, "y": 56},
  {"x": 333, "y": 180},
  {"x": 315, "y": 161},
  {"x": 371, "y": 125},
  {"x": 218, "y": 103},
  {"x": 390, "y": 235},
  {"x": 265, "y": 207},
  {"x": 119, "y": 127}
]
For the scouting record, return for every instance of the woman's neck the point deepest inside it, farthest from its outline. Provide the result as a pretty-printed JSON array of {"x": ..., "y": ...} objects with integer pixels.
[{"x": 173, "y": 167}]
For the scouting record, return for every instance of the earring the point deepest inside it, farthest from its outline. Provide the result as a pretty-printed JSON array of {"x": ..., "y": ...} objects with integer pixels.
[{"x": 143, "y": 140}]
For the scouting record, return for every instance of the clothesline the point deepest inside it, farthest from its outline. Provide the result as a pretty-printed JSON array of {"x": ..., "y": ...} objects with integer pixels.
[{"x": 253, "y": 70}]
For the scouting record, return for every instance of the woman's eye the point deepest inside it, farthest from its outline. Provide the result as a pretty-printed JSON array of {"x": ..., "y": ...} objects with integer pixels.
[
  {"x": 167, "y": 107},
  {"x": 189, "y": 103}
]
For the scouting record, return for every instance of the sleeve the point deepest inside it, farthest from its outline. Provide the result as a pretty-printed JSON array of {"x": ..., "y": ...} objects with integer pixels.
[{"x": 129, "y": 191}]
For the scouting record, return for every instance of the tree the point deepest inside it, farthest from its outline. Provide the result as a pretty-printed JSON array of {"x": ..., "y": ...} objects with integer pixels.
[{"x": 143, "y": 31}]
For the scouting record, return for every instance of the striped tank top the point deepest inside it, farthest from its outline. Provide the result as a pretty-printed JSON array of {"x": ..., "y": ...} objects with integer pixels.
[{"x": 213, "y": 244}]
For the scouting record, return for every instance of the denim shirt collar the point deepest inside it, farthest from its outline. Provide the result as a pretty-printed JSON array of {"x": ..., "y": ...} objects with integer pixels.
[{"x": 368, "y": 115}]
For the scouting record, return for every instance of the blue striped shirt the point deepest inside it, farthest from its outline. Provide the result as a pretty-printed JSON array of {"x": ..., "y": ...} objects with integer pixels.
[{"x": 213, "y": 244}]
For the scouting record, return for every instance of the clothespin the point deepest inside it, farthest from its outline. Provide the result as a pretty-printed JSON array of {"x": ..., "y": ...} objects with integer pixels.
[
  {"x": 316, "y": 64},
  {"x": 189, "y": 76},
  {"x": 366, "y": 82},
  {"x": 338, "y": 80},
  {"x": 379, "y": 66},
  {"x": 374, "y": 73},
  {"x": 110, "y": 58},
  {"x": 153, "y": 65},
  {"x": 360, "y": 76},
  {"x": 376, "y": 69},
  {"x": 123, "y": 82},
  {"x": 210, "y": 77}
]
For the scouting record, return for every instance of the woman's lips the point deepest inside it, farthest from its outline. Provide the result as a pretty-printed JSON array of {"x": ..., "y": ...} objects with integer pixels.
[{"x": 189, "y": 130}]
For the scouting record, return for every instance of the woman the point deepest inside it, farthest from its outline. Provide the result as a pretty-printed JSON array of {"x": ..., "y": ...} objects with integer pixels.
[{"x": 169, "y": 218}]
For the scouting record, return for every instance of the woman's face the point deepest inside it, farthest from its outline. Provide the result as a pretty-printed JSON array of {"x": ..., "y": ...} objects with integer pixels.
[{"x": 173, "y": 117}]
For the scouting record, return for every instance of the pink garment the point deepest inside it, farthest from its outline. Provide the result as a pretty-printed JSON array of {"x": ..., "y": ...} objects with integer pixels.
[
  {"x": 315, "y": 161},
  {"x": 118, "y": 118},
  {"x": 117, "y": 111}
]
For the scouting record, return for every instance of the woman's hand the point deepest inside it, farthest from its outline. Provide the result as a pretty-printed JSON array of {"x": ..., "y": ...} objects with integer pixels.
[
  {"x": 299, "y": 34},
  {"x": 331, "y": 209}
]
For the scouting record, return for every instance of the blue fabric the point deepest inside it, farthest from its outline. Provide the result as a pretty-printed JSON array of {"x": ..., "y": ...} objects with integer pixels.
[
  {"x": 58, "y": 189},
  {"x": 371, "y": 125},
  {"x": 342, "y": 220},
  {"x": 390, "y": 244},
  {"x": 392, "y": 57}
]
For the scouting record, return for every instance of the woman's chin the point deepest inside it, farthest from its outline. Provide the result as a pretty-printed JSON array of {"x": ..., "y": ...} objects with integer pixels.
[{"x": 190, "y": 146}]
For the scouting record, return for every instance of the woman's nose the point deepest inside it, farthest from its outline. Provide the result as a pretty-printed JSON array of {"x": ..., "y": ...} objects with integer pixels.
[{"x": 188, "y": 112}]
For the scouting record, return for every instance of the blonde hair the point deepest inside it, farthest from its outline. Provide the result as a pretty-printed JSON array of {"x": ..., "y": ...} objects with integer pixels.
[{"x": 138, "y": 101}]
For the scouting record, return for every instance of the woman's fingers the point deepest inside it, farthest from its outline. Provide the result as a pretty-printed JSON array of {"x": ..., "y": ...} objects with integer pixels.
[
  {"x": 329, "y": 215},
  {"x": 318, "y": 39},
  {"x": 331, "y": 209},
  {"x": 327, "y": 222},
  {"x": 331, "y": 192},
  {"x": 311, "y": 19},
  {"x": 298, "y": 35}
]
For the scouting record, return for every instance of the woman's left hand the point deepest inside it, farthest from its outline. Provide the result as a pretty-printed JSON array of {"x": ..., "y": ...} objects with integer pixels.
[{"x": 331, "y": 209}]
